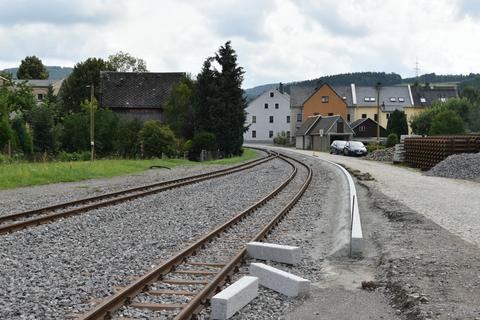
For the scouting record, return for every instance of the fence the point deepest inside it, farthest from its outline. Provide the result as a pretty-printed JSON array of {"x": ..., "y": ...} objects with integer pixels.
[{"x": 426, "y": 152}]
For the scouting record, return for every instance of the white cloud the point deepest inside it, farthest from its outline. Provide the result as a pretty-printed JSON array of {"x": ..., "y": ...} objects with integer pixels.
[{"x": 276, "y": 40}]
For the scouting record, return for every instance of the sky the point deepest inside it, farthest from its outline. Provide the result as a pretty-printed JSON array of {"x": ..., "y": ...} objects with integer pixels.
[{"x": 275, "y": 40}]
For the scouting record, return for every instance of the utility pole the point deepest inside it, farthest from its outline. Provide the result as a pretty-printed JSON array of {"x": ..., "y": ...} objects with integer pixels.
[
  {"x": 92, "y": 124},
  {"x": 378, "y": 114}
]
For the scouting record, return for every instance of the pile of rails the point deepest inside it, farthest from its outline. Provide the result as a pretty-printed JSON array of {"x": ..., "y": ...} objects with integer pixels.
[{"x": 426, "y": 152}]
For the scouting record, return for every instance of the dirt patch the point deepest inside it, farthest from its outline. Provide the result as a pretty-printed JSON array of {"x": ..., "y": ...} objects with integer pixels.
[{"x": 428, "y": 272}]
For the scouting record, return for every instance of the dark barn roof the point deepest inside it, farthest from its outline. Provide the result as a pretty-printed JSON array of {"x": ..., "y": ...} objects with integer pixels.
[
  {"x": 425, "y": 96},
  {"x": 136, "y": 89}
]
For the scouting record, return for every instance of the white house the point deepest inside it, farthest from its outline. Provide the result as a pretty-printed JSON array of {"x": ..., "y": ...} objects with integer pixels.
[{"x": 267, "y": 116}]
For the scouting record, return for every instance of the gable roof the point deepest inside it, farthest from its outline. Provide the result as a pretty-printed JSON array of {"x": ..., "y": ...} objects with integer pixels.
[
  {"x": 307, "y": 126},
  {"x": 389, "y": 96},
  {"x": 314, "y": 124},
  {"x": 298, "y": 95},
  {"x": 357, "y": 122},
  {"x": 136, "y": 89},
  {"x": 266, "y": 94},
  {"x": 431, "y": 95},
  {"x": 37, "y": 82},
  {"x": 345, "y": 92}
]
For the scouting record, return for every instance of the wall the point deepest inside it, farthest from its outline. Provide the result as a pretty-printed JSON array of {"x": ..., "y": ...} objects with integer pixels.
[
  {"x": 263, "y": 126},
  {"x": 335, "y": 104},
  {"x": 294, "y": 125},
  {"x": 370, "y": 112}
]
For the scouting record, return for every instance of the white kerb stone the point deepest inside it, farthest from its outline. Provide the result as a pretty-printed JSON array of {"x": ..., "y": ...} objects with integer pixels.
[
  {"x": 274, "y": 252},
  {"x": 233, "y": 298},
  {"x": 279, "y": 280}
]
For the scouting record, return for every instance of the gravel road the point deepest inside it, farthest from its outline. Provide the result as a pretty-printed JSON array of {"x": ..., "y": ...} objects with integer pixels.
[
  {"x": 453, "y": 204},
  {"x": 52, "y": 270}
]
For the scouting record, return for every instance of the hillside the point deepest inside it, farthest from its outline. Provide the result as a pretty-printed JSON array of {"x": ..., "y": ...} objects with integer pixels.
[{"x": 55, "y": 72}]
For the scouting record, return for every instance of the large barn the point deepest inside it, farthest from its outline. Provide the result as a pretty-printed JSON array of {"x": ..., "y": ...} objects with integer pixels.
[{"x": 139, "y": 95}]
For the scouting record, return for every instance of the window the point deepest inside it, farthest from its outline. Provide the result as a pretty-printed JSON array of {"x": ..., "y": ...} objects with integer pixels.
[
  {"x": 299, "y": 117},
  {"x": 324, "y": 99},
  {"x": 276, "y": 105},
  {"x": 361, "y": 128},
  {"x": 364, "y": 115},
  {"x": 330, "y": 114},
  {"x": 423, "y": 100},
  {"x": 366, "y": 99},
  {"x": 270, "y": 134},
  {"x": 443, "y": 99},
  {"x": 271, "y": 94},
  {"x": 266, "y": 105},
  {"x": 288, "y": 119},
  {"x": 288, "y": 134},
  {"x": 254, "y": 134},
  {"x": 373, "y": 99},
  {"x": 401, "y": 99},
  {"x": 40, "y": 96},
  {"x": 254, "y": 119},
  {"x": 344, "y": 98},
  {"x": 271, "y": 119},
  {"x": 375, "y": 117},
  {"x": 348, "y": 117},
  {"x": 393, "y": 99}
]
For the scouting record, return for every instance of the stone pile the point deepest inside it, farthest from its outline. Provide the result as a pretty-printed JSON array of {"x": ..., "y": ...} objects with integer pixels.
[
  {"x": 458, "y": 166},
  {"x": 381, "y": 155}
]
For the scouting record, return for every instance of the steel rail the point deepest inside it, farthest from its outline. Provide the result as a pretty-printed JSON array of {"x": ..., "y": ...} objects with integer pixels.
[
  {"x": 118, "y": 196},
  {"x": 124, "y": 296}
]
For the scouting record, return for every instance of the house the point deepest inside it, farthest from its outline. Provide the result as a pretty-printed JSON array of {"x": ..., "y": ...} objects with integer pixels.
[
  {"x": 391, "y": 98},
  {"x": 323, "y": 100},
  {"x": 267, "y": 116},
  {"x": 139, "y": 95},
  {"x": 366, "y": 129},
  {"x": 318, "y": 132},
  {"x": 40, "y": 87}
]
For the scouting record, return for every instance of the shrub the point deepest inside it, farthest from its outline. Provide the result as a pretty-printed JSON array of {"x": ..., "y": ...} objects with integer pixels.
[
  {"x": 203, "y": 141},
  {"x": 42, "y": 125},
  {"x": 106, "y": 130},
  {"x": 157, "y": 139},
  {"x": 281, "y": 139},
  {"x": 73, "y": 156},
  {"x": 128, "y": 138},
  {"x": 392, "y": 140},
  {"x": 374, "y": 146},
  {"x": 24, "y": 138},
  {"x": 5, "y": 132},
  {"x": 447, "y": 122},
  {"x": 397, "y": 123},
  {"x": 75, "y": 135}
]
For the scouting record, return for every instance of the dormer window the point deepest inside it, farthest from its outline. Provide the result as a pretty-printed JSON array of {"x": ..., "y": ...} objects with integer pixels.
[
  {"x": 271, "y": 94},
  {"x": 393, "y": 99},
  {"x": 423, "y": 100},
  {"x": 400, "y": 99},
  {"x": 443, "y": 99}
]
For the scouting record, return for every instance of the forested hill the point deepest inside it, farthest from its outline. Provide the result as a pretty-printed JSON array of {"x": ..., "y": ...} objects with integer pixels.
[
  {"x": 54, "y": 72},
  {"x": 445, "y": 78}
]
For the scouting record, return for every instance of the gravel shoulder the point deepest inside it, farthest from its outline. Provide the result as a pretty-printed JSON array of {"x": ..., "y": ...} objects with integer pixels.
[{"x": 451, "y": 203}]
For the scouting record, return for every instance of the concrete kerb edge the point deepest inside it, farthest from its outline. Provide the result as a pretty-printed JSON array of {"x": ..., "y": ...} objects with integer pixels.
[{"x": 356, "y": 234}]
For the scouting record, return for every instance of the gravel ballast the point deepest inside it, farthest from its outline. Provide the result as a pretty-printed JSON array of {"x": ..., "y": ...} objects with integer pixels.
[
  {"x": 381, "y": 155},
  {"x": 458, "y": 166},
  {"x": 52, "y": 270}
]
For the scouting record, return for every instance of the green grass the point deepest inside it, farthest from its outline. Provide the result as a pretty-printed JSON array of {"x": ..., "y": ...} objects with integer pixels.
[{"x": 29, "y": 174}]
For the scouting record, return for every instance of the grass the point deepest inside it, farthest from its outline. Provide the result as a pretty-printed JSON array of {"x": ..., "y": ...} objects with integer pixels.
[{"x": 25, "y": 174}]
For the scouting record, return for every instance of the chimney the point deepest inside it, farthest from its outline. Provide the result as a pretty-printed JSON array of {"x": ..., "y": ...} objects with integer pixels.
[{"x": 280, "y": 87}]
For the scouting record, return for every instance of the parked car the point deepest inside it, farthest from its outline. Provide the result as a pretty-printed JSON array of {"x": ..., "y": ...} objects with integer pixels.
[
  {"x": 354, "y": 148},
  {"x": 337, "y": 146}
]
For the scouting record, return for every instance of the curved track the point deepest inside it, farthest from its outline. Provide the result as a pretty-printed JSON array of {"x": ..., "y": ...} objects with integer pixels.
[
  {"x": 188, "y": 267},
  {"x": 21, "y": 220}
]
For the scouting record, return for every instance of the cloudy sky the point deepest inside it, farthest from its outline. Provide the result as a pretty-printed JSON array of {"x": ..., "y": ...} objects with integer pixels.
[{"x": 276, "y": 40}]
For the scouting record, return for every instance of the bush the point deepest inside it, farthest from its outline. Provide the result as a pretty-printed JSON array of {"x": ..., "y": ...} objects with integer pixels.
[
  {"x": 73, "y": 156},
  {"x": 4, "y": 159},
  {"x": 106, "y": 130},
  {"x": 374, "y": 146},
  {"x": 392, "y": 140},
  {"x": 6, "y": 132},
  {"x": 203, "y": 141},
  {"x": 42, "y": 125},
  {"x": 157, "y": 139},
  {"x": 281, "y": 139},
  {"x": 128, "y": 138},
  {"x": 24, "y": 138},
  {"x": 447, "y": 122},
  {"x": 75, "y": 135}
]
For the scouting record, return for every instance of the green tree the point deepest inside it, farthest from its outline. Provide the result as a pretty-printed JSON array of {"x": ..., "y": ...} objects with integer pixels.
[
  {"x": 106, "y": 130},
  {"x": 32, "y": 68},
  {"x": 75, "y": 134},
  {"x": 397, "y": 123},
  {"x": 6, "y": 133},
  {"x": 124, "y": 62},
  {"x": 392, "y": 140},
  {"x": 179, "y": 108},
  {"x": 42, "y": 126},
  {"x": 24, "y": 138},
  {"x": 202, "y": 141},
  {"x": 128, "y": 138},
  {"x": 206, "y": 98},
  {"x": 157, "y": 139},
  {"x": 447, "y": 122},
  {"x": 74, "y": 89}
]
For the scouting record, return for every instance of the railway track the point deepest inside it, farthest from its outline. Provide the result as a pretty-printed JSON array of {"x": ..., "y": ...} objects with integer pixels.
[
  {"x": 180, "y": 287},
  {"x": 21, "y": 220}
]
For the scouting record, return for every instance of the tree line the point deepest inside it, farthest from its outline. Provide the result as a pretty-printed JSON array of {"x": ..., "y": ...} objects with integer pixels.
[{"x": 206, "y": 113}]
